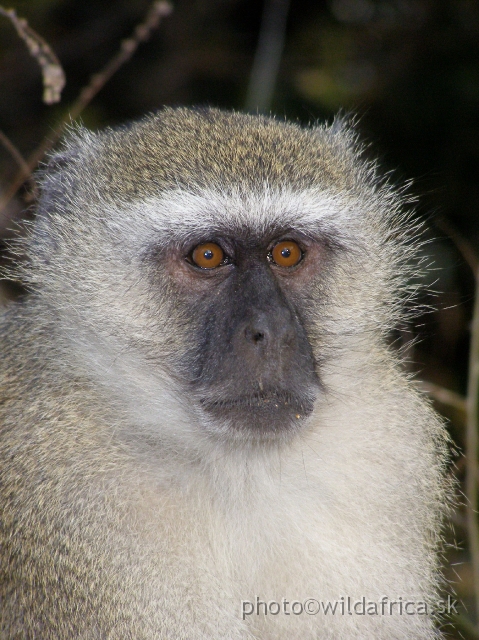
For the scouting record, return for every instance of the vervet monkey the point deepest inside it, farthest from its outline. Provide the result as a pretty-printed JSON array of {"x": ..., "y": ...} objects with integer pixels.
[{"x": 200, "y": 414}]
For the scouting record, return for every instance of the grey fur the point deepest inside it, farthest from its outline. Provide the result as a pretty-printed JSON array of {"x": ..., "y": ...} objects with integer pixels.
[{"x": 126, "y": 511}]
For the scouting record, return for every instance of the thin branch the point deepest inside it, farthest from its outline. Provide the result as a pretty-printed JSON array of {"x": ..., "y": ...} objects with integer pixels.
[
  {"x": 19, "y": 159},
  {"x": 158, "y": 10},
  {"x": 472, "y": 409},
  {"x": 472, "y": 401},
  {"x": 463, "y": 245},
  {"x": 268, "y": 55},
  {"x": 52, "y": 72},
  {"x": 443, "y": 395},
  {"x": 142, "y": 32},
  {"x": 14, "y": 152}
]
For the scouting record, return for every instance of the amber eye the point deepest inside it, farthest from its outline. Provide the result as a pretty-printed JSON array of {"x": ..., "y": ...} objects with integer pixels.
[
  {"x": 208, "y": 255},
  {"x": 286, "y": 254}
]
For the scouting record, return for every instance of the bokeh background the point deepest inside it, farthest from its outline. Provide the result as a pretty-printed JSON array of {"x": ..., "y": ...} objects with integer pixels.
[{"x": 408, "y": 69}]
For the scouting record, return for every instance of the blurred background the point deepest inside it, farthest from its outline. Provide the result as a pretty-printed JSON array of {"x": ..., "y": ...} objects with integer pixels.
[{"x": 409, "y": 70}]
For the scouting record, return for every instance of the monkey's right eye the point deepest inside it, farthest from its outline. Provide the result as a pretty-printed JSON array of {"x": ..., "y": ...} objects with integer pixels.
[{"x": 208, "y": 256}]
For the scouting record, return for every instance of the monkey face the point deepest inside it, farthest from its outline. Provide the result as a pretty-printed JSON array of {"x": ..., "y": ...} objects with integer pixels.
[
  {"x": 251, "y": 367},
  {"x": 226, "y": 264}
]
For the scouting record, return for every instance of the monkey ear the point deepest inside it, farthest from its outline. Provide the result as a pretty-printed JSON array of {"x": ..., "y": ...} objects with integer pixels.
[
  {"x": 57, "y": 177},
  {"x": 60, "y": 160},
  {"x": 59, "y": 181},
  {"x": 343, "y": 127},
  {"x": 53, "y": 175},
  {"x": 55, "y": 182}
]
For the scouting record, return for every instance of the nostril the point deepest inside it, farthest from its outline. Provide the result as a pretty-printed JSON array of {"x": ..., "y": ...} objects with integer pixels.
[{"x": 254, "y": 335}]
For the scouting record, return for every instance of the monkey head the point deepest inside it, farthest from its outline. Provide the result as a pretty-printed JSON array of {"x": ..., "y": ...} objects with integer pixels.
[{"x": 225, "y": 259}]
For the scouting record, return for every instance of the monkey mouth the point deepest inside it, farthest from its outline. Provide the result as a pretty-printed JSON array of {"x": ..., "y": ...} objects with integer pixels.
[
  {"x": 276, "y": 398},
  {"x": 270, "y": 411}
]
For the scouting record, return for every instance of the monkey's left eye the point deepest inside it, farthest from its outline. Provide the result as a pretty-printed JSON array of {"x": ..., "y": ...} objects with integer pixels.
[
  {"x": 208, "y": 256},
  {"x": 286, "y": 253}
]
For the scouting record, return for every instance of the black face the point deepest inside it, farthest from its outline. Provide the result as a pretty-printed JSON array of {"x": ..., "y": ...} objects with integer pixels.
[{"x": 252, "y": 366}]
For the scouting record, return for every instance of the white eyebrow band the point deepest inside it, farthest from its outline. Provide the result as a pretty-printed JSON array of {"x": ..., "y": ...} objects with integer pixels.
[{"x": 176, "y": 216}]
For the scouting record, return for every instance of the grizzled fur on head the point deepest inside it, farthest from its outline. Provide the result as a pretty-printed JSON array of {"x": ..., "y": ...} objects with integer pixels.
[{"x": 179, "y": 148}]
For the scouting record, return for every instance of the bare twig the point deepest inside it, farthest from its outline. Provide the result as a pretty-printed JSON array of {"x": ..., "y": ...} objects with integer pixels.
[
  {"x": 268, "y": 55},
  {"x": 463, "y": 245},
  {"x": 472, "y": 408},
  {"x": 443, "y": 395},
  {"x": 471, "y": 445},
  {"x": 52, "y": 72},
  {"x": 142, "y": 32},
  {"x": 158, "y": 10},
  {"x": 19, "y": 159},
  {"x": 14, "y": 152}
]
